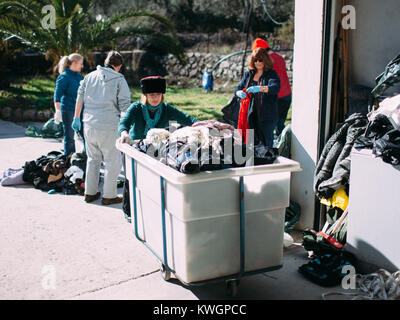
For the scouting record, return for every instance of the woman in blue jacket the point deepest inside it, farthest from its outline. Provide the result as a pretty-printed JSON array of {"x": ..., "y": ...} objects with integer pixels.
[
  {"x": 264, "y": 84},
  {"x": 65, "y": 93}
]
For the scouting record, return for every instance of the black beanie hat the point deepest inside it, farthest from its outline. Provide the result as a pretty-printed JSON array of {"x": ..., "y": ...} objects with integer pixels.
[{"x": 153, "y": 84}]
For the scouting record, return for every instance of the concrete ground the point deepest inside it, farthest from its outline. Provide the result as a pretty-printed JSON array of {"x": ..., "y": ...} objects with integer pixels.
[{"x": 59, "y": 247}]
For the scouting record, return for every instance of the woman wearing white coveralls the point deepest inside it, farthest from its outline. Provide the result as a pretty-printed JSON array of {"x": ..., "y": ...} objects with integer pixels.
[{"x": 105, "y": 94}]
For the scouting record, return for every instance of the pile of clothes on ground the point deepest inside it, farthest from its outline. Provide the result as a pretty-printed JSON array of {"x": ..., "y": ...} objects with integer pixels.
[
  {"x": 379, "y": 131},
  {"x": 331, "y": 186},
  {"x": 53, "y": 172},
  {"x": 206, "y": 145}
]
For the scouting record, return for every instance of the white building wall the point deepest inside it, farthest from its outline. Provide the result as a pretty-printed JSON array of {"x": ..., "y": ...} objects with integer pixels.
[
  {"x": 375, "y": 41},
  {"x": 307, "y": 65}
]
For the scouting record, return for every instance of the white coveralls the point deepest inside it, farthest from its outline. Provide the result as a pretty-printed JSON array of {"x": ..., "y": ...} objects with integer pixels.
[{"x": 105, "y": 94}]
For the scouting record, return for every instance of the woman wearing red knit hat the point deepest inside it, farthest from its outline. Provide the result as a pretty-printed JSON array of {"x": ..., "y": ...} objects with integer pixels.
[
  {"x": 263, "y": 83},
  {"x": 285, "y": 93}
]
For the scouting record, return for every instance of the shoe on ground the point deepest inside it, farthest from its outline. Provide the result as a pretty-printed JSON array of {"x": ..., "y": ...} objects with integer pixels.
[
  {"x": 107, "y": 201},
  {"x": 91, "y": 198}
]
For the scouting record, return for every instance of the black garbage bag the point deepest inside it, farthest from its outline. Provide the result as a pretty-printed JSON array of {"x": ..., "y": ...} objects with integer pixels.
[{"x": 231, "y": 111}]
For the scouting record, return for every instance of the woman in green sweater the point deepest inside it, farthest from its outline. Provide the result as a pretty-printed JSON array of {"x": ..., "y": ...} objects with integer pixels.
[{"x": 150, "y": 112}]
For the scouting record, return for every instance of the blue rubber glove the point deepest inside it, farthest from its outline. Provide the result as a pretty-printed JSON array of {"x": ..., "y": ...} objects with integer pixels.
[
  {"x": 76, "y": 124},
  {"x": 241, "y": 94},
  {"x": 254, "y": 89}
]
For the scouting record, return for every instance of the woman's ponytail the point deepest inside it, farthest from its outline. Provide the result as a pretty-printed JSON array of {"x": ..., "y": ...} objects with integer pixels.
[
  {"x": 67, "y": 60},
  {"x": 63, "y": 64}
]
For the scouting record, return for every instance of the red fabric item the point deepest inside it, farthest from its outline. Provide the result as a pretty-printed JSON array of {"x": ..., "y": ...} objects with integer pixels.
[
  {"x": 259, "y": 43},
  {"x": 333, "y": 241},
  {"x": 242, "y": 120},
  {"x": 280, "y": 68}
]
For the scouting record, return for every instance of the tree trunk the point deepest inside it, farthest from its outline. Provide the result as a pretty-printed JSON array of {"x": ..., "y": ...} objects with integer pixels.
[{"x": 247, "y": 30}]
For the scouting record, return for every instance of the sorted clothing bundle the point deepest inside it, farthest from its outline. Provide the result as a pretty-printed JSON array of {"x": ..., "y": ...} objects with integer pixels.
[
  {"x": 54, "y": 171},
  {"x": 206, "y": 145},
  {"x": 46, "y": 171}
]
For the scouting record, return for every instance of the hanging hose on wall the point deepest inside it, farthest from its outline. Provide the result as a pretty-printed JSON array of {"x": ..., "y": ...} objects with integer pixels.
[{"x": 208, "y": 78}]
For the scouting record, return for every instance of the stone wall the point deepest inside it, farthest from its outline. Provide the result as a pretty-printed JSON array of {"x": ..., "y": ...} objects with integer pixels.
[{"x": 229, "y": 69}]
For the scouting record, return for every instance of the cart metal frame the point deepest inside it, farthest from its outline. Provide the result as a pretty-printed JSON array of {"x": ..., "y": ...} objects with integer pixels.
[{"x": 232, "y": 281}]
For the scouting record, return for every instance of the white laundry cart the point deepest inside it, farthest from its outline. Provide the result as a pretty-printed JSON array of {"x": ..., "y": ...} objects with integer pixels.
[{"x": 209, "y": 226}]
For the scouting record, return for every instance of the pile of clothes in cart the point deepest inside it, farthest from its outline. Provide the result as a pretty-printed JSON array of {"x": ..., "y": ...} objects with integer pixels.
[
  {"x": 206, "y": 145},
  {"x": 52, "y": 173}
]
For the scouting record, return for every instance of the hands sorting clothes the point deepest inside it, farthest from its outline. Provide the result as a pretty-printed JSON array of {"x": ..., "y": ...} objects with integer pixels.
[
  {"x": 124, "y": 138},
  {"x": 254, "y": 89},
  {"x": 241, "y": 94},
  {"x": 76, "y": 124}
]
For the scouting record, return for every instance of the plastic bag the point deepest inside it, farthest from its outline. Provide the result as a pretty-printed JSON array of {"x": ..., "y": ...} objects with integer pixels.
[
  {"x": 52, "y": 130},
  {"x": 49, "y": 130}
]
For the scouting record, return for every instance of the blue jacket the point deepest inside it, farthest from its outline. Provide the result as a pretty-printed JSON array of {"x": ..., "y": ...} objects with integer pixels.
[
  {"x": 269, "y": 100},
  {"x": 67, "y": 85}
]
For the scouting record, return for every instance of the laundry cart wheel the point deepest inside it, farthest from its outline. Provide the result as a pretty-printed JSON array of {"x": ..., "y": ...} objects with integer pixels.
[
  {"x": 165, "y": 273},
  {"x": 232, "y": 287}
]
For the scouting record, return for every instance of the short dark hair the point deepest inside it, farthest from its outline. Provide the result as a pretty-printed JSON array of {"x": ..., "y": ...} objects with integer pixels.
[{"x": 114, "y": 58}]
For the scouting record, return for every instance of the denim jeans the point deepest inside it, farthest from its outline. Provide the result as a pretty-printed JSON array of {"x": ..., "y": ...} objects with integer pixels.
[{"x": 69, "y": 142}]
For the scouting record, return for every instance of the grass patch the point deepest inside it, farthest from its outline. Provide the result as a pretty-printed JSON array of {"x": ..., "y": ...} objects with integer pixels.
[
  {"x": 28, "y": 91},
  {"x": 197, "y": 103},
  {"x": 194, "y": 101}
]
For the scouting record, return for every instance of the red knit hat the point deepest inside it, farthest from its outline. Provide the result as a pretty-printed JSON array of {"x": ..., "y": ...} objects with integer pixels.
[{"x": 259, "y": 43}]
